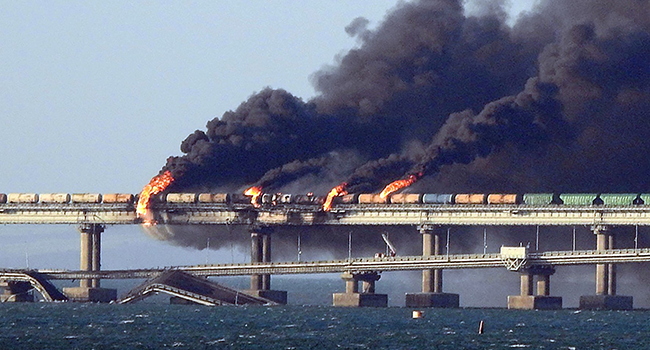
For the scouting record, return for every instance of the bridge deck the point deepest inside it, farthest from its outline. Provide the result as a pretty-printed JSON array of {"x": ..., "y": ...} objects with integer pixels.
[
  {"x": 295, "y": 215},
  {"x": 459, "y": 261}
]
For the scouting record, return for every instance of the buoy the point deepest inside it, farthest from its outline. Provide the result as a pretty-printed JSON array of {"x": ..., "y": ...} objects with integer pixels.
[
  {"x": 480, "y": 327},
  {"x": 417, "y": 314}
]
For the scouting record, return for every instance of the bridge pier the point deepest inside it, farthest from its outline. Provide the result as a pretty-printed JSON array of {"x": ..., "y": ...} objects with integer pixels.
[
  {"x": 605, "y": 298},
  {"x": 364, "y": 298},
  {"x": 542, "y": 299},
  {"x": 432, "y": 294},
  {"x": 16, "y": 291},
  {"x": 89, "y": 290},
  {"x": 261, "y": 253}
]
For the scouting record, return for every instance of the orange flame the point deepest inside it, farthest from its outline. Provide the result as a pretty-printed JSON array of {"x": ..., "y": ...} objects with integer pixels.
[
  {"x": 156, "y": 185},
  {"x": 255, "y": 192},
  {"x": 397, "y": 185},
  {"x": 335, "y": 192}
]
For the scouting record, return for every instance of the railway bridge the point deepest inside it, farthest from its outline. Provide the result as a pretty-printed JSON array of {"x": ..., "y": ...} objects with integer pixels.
[{"x": 430, "y": 220}]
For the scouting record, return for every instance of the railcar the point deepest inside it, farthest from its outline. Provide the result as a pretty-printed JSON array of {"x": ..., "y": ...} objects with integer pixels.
[
  {"x": 214, "y": 198},
  {"x": 434, "y": 198},
  {"x": 406, "y": 198},
  {"x": 371, "y": 198},
  {"x": 470, "y": 198},
  {"x": 3, "y": 198},
  {"x": 111, "y": 198},
  {"x": 86, "y": 198},
  {"x": 499, "y": 198},
  {"x": 22, "y": 198},
  {"x": 181, "y": 198},
  {"x": 54, "y": 198}
]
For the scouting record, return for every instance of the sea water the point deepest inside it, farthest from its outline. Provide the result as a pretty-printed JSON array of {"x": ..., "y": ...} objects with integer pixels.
[
  {"x": 158, "y": 326},
  {"x": 309, "y": 322}
]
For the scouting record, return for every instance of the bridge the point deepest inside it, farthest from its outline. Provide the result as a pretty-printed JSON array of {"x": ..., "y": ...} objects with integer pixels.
[
  {"x": 361, "y": 265},
  {"x": 350, "y": 214},
  {"x": 431, "y": 220}
]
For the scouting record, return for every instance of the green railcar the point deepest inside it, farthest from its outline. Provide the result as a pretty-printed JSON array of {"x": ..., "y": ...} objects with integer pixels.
[
  {"x": 618, "y": 198},
  {"x": 538, "y": 198},
  {"x": 578, "y": 198},
  {"x": 645, "y": 198}
]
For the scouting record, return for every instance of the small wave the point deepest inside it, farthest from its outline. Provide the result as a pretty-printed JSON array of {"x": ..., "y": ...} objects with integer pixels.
[
  {"x": 126, "y": 321},
  {"x": 520, "y": 346}
]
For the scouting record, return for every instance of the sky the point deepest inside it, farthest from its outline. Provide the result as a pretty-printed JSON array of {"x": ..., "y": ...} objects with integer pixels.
[{"x": 94, "y": 96}]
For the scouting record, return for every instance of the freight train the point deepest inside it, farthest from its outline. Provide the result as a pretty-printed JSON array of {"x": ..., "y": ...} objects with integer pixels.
[{"x": 280, "y": 199}]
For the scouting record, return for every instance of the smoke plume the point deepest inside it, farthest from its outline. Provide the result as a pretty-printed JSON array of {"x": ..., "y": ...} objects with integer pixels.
[{"x": 556, "y": 102}]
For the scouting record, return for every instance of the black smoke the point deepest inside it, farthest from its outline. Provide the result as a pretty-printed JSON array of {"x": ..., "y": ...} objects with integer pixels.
[
  {"x": 559, "y": 98},
  {"x": 557, "y": 102}
]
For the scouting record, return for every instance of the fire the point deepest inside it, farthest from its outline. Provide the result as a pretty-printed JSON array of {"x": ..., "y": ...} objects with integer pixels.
[
  {"x": 335, "y": 192},
  {"x": 156, "y": 185},
  {"x": 255, "y": 192},
  {"x": 399, "y": 184}
]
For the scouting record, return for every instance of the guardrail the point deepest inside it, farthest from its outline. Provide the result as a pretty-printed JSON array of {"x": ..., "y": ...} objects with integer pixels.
[{"x": 456, "y": 261}]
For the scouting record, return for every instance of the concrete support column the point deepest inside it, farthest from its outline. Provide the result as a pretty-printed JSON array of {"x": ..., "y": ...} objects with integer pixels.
[
  {"x": 266, "y": 257},
  {"x": 432, "y": 295},
  {"x": 611, "y": 268},
  {"x": 431, "y": 278},
  {"x": 544, "y": 285},
  {"x": 256, "y": 256},
  {"x": 602, "y": 270},
  {"x": 605, "y": 298},
  {"x": 351, "y": 283},
  {"x": 437, "y": 273},
  {"x": 542, "y": 299},
  {"x": 368, "y": 282},
  {"x": 96, "y": 255},
  {"x": 355, "y": 298},
  {"x": 261, "y": 253},
  {"x": 526, "y": 283},
  {"x": 427, "y": 250},
  {"x": 86, "y": 258},
  {"x": 91, "y": 250}
]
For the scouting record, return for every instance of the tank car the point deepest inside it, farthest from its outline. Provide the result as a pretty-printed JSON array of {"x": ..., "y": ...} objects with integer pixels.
[
  {"x": 86, "y": 198},
  {"x": 237, "y": 198},
  {"x": 352, "y": 198},
  {"x": 501, "y": 198},
  {"x": 54, "y": 198},
  {"x": 214, "y": 198},
  {"x": 181, "y": 198},
  {"x": 112, "y": 198},
  {"x": 406, "y": 198},
  {"x": 436, "y": 198},
  {"x": 22, "y": 198},
  {"x": 371, "y": 198},
  {"x": 470, "y": 198},
  {"x": 302, "y": 199}
]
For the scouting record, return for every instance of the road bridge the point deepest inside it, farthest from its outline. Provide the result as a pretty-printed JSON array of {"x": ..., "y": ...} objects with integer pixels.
[{"x": 357, "y": 265}]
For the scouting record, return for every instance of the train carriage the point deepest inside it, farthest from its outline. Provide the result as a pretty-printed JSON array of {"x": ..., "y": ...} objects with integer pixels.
[
  {"x": 54, "y": 198},
  {"x": 22, "y": 198}
]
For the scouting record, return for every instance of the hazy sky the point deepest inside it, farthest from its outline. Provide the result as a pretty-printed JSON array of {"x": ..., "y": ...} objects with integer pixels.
[{"x": 94, "y": 96}]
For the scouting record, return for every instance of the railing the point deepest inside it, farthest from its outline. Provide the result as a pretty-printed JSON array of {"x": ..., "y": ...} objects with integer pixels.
[{"x": 456, "y": 261}]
